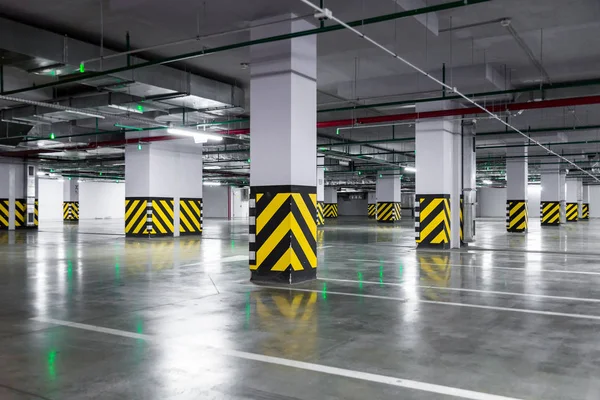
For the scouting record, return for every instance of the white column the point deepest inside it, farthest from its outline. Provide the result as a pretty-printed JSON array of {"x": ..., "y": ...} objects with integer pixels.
[
  {"x": 469, "y": 183},
  {"x": 283, "y": 145},
  {"x": 388, "y": 194},
  {"x": 70, "y": 200},
  {"x": 585, "y": 203},
  {"x": 553, "y": 188},
  {"x": 574, "y": 195},
  {"x": 438, "y": 179},
  {"x": 517, "y": 172},
  {"x": 320, "y": 189}
]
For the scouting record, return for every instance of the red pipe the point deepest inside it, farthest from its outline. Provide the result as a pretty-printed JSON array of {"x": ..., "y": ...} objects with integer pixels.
[{"x": 576, "y": 101}]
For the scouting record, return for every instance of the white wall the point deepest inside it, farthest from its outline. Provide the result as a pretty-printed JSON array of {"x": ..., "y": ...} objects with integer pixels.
[
  {"x": 533, "y": 200},
  {"x": 352, "y": 207},
  {"x": 239, "y": 202},
  {"x": 100, "y": 200},
  {"x": 50, "y": 200},
  {"x": 594, "y": 201},
  {"x": 215, "y": 202},
  {"x": 491, "y": 202}
]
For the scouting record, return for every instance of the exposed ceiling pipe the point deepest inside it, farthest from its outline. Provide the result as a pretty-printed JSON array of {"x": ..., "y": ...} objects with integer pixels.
[
  {"x": 507, "y": 23},
  {"x": 204, "y": 52}
]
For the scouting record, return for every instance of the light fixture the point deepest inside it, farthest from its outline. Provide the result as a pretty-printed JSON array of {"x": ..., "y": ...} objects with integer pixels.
[
  {"x": 40, "y": 173},
  {"x": 87, "y": 114},
  {"x": 487, "y": 182},
  {"x": 410, "y": 169},
  {"x": 198, "y": 136},
  {"x": 123, "y": 108},
  {"x": 211, "y": 183},
  {"x": 212, "y": 167}
]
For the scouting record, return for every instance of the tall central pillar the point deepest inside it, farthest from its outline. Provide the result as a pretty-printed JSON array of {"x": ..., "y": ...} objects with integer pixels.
[
  {"x": 574, "y": 197},
  {"x": 438, "y": 179},
  {"x": 517, "y": 172},
  {"x": 70, "y": 200},
  {"x": 551, "y": 196},
  {"x": 388, "y": 197},
  {"x": 283, "y": 147}
]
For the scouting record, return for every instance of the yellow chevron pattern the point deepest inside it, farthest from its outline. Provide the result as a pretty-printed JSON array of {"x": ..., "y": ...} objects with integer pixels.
[
  {"x": 434, "y": 271},
  {"x": 320, "y": 214},
  {"x": 283, "y": 233},
  {"x": 388, "y": 211},
  {"x": 190, "y": 216},
  {"x": 462, "y": 222},
  {"x": 572, "y": 212},
  {"x": 585, "y": 211},
  {"x": 517, "y": 217},
  {"x": 550, "y": 212},
  {"x": 20, "y": 213},
  {"x": 147, "y": 217},
  {"x": 372, "y": 210},
  {"x": 4, "y": 214},
  {"x": 330, "y": 210},
  {"x": 432, "y": 221},
  {"x": 71, "y": 211}
]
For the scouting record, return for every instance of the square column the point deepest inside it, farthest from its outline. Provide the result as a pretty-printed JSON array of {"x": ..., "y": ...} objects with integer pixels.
[
  {"x": 551, "y": 197},
  {"x": 70, "y": 200},
  {"x": 574, "y": 197},
  {"x": 163, "y": 189},
  {"x": 18, "y": 196},
  {"x": 372, "y": 204},
  {"x": 438, "y": 179},
  {"x": 468, "y": 196},
  {"x": 330, "y": 205},
  {"x": 320, "y": 190},
  {"x": 517, "y": 171},
  {"x": 585, "y": 204},
  {"x": 283, "y": 149},
  {"x": 388, "y": 197}
]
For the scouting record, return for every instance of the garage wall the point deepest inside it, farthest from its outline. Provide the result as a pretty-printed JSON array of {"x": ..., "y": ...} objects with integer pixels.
[
  {"x": 50, "y": 199},
  {"x": 101, "y": 200},
  {"x": 352, "y": 207},
  {"x": 215, "y": 201},
  {"x": 491, "y": 202},
  {"x": 594, "y": 201}
]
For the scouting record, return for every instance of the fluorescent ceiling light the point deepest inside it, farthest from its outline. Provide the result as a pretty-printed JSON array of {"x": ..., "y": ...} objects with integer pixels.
[
  {"x": 211, "y": 183},
  {"x": 410, "y": 169},
  {"x": 124, "y": 108},
  {"x": 487, "y": 182},
  {"x": 87, "y": 114},
  {"x": 198, "y": 136},
  {"x": 212, "y": 167}
]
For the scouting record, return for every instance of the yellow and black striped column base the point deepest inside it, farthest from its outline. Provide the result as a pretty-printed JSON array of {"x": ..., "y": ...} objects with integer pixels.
[
  {"x": 330, "y": 210},
  {"x": 517, "y": 216},
  {"x": 550, "y": 212},
  {"x": 462, "y": 222},
  {"x": 388, "y": 211},
  {"x": 283, "y": 233},
  {"x": 320, "y": 214},
  {"x": 4, "y": 214},
  {"x": 572, "y": 212},
  {"x": 148, "y": 217},
  {"x": 372, "y": 210},
  {"x": 71, "y": 211},
  {"x": 20, "y": 214},
  {"x": 190, "y": 216},
  {"x": 585, "y": 212},
  {"x": 432, "y": 221}
]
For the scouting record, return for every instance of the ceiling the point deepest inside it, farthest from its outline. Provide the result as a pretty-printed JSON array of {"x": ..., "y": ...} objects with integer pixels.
[{"x": 507, "y": 46}]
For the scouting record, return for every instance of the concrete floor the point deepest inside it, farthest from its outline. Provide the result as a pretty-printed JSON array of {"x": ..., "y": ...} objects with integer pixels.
[{"x": 88, "y": 315}]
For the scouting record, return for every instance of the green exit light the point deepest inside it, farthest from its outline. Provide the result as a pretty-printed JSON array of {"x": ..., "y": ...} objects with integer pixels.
[
  {"x": 100, "y": 173},
  {"x": 52, "y": 136},
  {"x": 381, "y": 175},
  {"x": 139, "y": 146},
  {"x": 337, "y": 131},
  {"x": 51, "y": 170},
  {"x": 359, "y": 172},
  {"x": 140, "y": 108},
  {"x": 248, "y": 160},
  {"x": 82, "y": 67},
  {"x": 69, "y": 178},
  {"x": 322, "y": 148}
]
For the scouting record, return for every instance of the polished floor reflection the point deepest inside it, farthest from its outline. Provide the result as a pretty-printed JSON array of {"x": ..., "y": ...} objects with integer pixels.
[{"x": 88, "y": 314}]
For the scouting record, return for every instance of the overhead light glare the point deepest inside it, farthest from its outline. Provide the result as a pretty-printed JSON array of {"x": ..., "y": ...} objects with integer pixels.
[
  {"x": 198, "y": 136},
  {"x": 211, "y": 183},
  {"x": 410, "y": 169},
  {"x": 124, "y": 108},
  {"x": 487, "y": 182},
  {"x": 212, "y": 167},
  {"x": 87, "y": 114}
]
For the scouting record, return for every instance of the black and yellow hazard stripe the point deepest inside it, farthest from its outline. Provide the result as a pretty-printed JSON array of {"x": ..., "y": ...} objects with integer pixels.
[
  {"x": 190, "y": 216},
  {"x": 388, "y": 211},
  {"x": 320, "y": 213},
  {"x": 434, "y": 271},
  {"x": 517, "y": 216},
  {"x": 572, "y": 212},
  {"x": 36, "y": 214},
  {"x": 148, "y": 216},
  {"x": 20, "y": 213},
  {"x": 330, "y": 210},
  {"x": 283, "y": 233},
  {"x": 550, "y": 212},
  {"x": 372, "y": 210},
  {"x": 462, "y": 222},
  {"x": 585, "y": 211},
  {"x": 4, "y": 213},
  {"x": 71, "y": 211},
  {"x": 432, "y": 220}
]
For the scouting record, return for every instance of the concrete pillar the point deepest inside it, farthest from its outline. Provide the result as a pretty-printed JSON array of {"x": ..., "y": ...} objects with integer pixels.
[
  {"x": 70, "y": 200},
  {"x": 585, "y": 204},
  {"x": 574, "y": 197},
  {"x": 563, "y": 196},
  {"x": 438, "y": 179},
  {"x": 320, "y": 190},
  {"x": 517, "y": 172},
  {"x": 372, "y": 204},
  {"x": 163, "y": 189},
  {"x": 15, "y": 187},
  {"x": 330, "y": 205},
  {"x": 551, "y": 196},
  {"x": 283, "y": 145},
  {"x": 388, "y": 194},
  {"x": 469, "y": 184}
]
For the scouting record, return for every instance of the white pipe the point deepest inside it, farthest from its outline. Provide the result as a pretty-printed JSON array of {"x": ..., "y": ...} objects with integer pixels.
[{"x": 453, "y": 89}]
